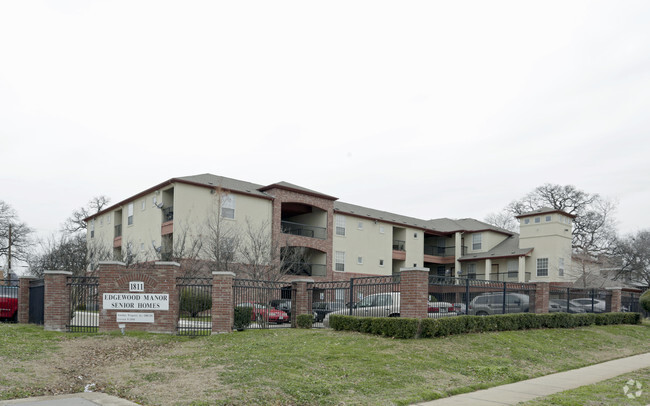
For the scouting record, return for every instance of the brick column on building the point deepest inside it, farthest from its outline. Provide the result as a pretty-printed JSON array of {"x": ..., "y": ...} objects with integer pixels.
[
  {"x": 223, "y": 307},
  {"x": 414, "y": 288},
  {"x": 57, "y": 300},
  {"x": 300, "y": 300},
  {"x": 616, "y": 299},
  {"x": 23, "y": 299},
  {"x": 540, "y": 298}
]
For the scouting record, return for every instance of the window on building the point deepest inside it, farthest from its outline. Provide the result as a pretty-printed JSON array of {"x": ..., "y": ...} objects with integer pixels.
[
  {"x": 381, "y": 262},
  {"x": 141, "y": 246},
  {"x": 228, "y": 206},
  {"x": 440, "y": 271},
  {"x": 339, "y": 260},
  {"x": 549, "y": 218},
  {"x": 360, "y": 260},
  {"x": 560, "y": 266},
  {"x": 92, "y": 228},
  {"x": 415, "y": 235},
  {"x": 471, "y": 271},
  {"x": 108, "y": 218},
  {"x": 101, "y": 221},
  {"x": 476, "y": 241},
  {"x": 513, "y": 268},
  {"x": 154, "y": 200},
  {"x": 129, "y": 219},
  {"x": 339, "y": 222},
  {"x": 542, "y": 266},
  {"x": 538, "y": 219},
  {"x": 526, "y": 221},
  {"x": 381, "y": 230},
  {"x": 360, "y": 225},
  {"x": 144, "y": 204}
]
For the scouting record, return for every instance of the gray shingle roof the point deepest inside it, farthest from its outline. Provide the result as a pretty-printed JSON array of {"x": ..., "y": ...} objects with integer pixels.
[
  {"x": 507, "y": 248},
  {"x": 235, "y": 185},
  {"x": 287, "y": 185}
]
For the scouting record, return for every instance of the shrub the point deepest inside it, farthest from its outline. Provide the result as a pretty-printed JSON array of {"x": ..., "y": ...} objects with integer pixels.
[
  {"x": 194, "y": 302},
  {"x": 644, "y": 301},
  {"x": 305, "y": 320},
  {"x": 243, "y": 316}
]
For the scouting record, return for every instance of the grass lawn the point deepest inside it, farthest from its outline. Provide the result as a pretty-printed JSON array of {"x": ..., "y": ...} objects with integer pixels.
[
  {"x": 610, "y": 392},
  {"x": 295, "y": 366}
]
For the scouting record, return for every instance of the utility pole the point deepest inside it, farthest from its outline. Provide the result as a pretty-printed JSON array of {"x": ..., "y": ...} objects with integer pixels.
[{"x": 9, "y": 252}]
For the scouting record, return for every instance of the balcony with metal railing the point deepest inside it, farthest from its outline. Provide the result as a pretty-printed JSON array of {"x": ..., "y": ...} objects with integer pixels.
[
  {"x": 117, "y": 237},
  {"x": 304, "y": 230},
  {"x": 305, "y": 269},
  {"x": 399, "y": 245}
]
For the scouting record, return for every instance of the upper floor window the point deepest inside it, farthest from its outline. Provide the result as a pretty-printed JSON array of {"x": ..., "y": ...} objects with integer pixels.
[
  {"x": 108, "y": 218},
  {"x": 360, "y": 225},
  {"x": 513, "y": 268},
  {"x": 228, "y": 206},
  {"x": 549, "y": 218},
  {"x": 415, "y": 236},
  {"x": 542, "y": 266},
  {"x": 339, "y": 261},
  {"x": 381, "y": 230},
  {"x": 538, "y": 219},
  {"x": 560, "y": 266},
  {"x": 129, "y": 209},
  {"x": 360, "y": 260},
  {"x": 477, "y": 241},
  {"x": 92, "y": 228},
  {"x": 526, "y": 221},
  {"x": 339, "y": 221},
  {"x": 144, "y": 204},
  {"x": 471, "y": 271}
]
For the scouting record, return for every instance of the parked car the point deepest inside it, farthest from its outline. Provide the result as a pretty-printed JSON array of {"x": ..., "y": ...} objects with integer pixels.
[
  {"x": 492, "y": 303},
  {"x": 441, "y": 309},
  {"x": 321, "y": 309},
  {"x": 282, "y": 304},
  {"x": 599, "y": 306},
  {"x": 9, "y": 303},
  {"x": 265, "y": 313},
  {"x": 559, "y": 305},
  {"x": 460, "y": 308}
]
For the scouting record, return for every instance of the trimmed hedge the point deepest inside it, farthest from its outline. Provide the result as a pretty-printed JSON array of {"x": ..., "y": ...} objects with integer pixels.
[
  {"x": 644, "y": 301},
  {"x": 397, "y": 327},
  {"x": 305, "y": 320},
  {"x": 243, "y": 316}
]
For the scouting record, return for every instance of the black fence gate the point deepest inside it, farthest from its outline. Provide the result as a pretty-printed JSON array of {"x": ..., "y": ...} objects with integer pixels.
[
  {"x": 328, "y": 297},
  {"x": 84, "y": 304},
  {"x": 267, "y": 302},
  {"x": 36, "y": 301},
  {"x": 195, "y": 306}
]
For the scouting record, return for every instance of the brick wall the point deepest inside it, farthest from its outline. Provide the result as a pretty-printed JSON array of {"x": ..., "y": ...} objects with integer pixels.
[
  {"x": 414, "y": 288},
  {"x": 158, "y": 278},
  {"x": 300, "y": 300},
  {"x": 222, "y": 302},
  {"x": 57, "y": 300},
  {"x": 23, "y": 299}
]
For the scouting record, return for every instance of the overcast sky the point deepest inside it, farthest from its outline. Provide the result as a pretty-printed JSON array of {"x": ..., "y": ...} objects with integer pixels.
[{"x": 428, "y": 109}]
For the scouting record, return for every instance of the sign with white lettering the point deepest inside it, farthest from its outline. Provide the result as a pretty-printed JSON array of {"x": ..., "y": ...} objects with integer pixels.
[
  {"x": 134, "y": 317},
  {"x": 136, "y": 286},
  {"x": 135, "y": 301}
]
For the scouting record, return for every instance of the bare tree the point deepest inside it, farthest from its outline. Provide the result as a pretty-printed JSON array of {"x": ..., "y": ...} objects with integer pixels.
[
  {"x": 14, "y": 235},
  {"x": 503, "y": 220},
  {"x": 186, "y": 249},
  {"x": 76, "y": 223},
  {"x": 66, "y": 253},
  {"x": 633, "y": 257},
  {"x": 221, "y": 241}
]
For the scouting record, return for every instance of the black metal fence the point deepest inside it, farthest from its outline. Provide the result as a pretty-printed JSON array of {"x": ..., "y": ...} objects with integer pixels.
[
  {"x": 630, "y": 302},
  {"x": 328, "y": 297},
  {"x": 36, "y": 301},
  {"x": 8, "y": 301},
  {"x": 195, "y": 306},
  {"x": 571, "y": 300},
  {"x": 269, "y": 302},
  {"x": 84, "y": 304},
  {"x": 478, "y": 297}
]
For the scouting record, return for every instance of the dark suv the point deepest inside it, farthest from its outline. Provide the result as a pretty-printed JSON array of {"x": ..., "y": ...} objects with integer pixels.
[
  {"x": 492, "y": 303},
  {"x": 321, "y": 309}
]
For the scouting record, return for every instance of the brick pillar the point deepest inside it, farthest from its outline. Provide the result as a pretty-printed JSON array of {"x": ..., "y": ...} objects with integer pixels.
[
  {"x": 540, "y": 298},
  {"x": 414, "y": 288},
  {"x": 616, "y": 300},
  {"x": 57, "y": 300},
  {"x": 223, "y": 306},
  {"x": 23, "y": 299},
  {"x": 300, "y": 303}
]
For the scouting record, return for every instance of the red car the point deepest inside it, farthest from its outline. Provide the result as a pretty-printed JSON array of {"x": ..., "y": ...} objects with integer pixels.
[
  {"x": 9, "y": 303},
  {"x": 262, "y": 312}
]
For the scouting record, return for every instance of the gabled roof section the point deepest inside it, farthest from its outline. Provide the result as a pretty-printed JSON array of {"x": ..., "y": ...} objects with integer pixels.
[
  {"x": 365, "y": 212},
  {"x": 509, "y": 248},
  {"x": 214, "y": 181},
  {"x": 295, "y": 188},
  {"x": 545, "y": 210},
  {"x": 467, "y": 225}
]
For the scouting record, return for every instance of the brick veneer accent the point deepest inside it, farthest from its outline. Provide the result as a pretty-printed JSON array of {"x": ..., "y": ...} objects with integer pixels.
[
  {"x": 540, "y": 298},
  {"x": 287, "y": 196},
  {"x": 23, "y": 299},
  {"x": 57, "y": 300},
  {"x": 414, "y": 288},
  {"x": 222, "y": 302},
  {"x": 300, "y": 300},
  {"x": 160, "y": 278},
  {"x": 616, "y": 300}
]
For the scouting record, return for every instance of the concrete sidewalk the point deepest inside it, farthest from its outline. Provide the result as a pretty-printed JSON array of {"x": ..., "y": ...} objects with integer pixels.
[
  {"x": 75, "y": 399},
  {"x": 523, "y": 391}
]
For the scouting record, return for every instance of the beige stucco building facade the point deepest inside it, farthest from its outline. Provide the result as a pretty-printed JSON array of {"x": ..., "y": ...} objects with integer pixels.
[{"x": 337, "y": 240}]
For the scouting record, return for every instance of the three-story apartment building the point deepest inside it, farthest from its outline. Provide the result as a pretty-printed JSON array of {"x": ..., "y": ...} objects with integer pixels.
[{"x": 335, "y": 240}]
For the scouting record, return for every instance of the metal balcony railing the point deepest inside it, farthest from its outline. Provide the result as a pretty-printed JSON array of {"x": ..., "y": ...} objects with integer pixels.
[
  {"x": 302, "y": 268},
  {"x": 118, "y": 230},
  {"x": 304, "y": 230},
  {"x": 509, "y": 277},
  {"x": 399, "y": 245},
  {"x": 442, "y": 251}
]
